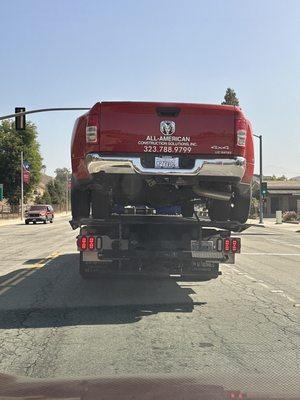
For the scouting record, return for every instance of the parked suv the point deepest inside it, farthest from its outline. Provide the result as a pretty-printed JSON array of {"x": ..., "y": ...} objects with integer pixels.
[{"x": 39, "y": 213}]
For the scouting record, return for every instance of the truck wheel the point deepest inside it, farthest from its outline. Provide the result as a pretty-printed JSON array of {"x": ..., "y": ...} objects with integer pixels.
[
  {"x": 219, "y": 210},
  {"x": 80, "y": 200},
  {"x": 241, "y": 202},
  {"x": 100, "y": 205},
  {"x": 27, "y": 222},
  {"x": 187, "y": 210}
]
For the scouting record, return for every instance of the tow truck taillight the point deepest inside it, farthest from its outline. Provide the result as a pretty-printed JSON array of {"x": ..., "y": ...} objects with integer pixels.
[
  {"x": 232, "y": 245},
  {"x": 91, "y": 242},
  {"x": 226, "y": 245},
  {"x": 235, "y": 245},
  {"x": 82, "y": 243}
]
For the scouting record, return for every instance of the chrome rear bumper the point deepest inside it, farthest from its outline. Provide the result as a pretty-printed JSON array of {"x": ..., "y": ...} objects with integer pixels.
[{"x": 222, "y": 167}]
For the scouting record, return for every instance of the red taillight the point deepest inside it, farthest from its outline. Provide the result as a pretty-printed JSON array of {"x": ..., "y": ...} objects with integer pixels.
[
  {"x": 83, "y": 243},
  {"x": 91, "y": 132},
  {"x": 235, "y": 245},
  {"x": 91, "y": 242},
  {"x": 241, "y": 132},
  {"x": 226, "y": 245}
]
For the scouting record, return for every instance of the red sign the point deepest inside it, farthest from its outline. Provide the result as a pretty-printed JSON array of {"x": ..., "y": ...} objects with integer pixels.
[{"x": 26, "y": 176}]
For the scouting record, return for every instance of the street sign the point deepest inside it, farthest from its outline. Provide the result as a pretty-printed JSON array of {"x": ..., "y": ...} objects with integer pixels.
[
  {"x": 1, "y": 191},
  {"x": 26, "y": 176},
  {"x": 20, "y": 121}
]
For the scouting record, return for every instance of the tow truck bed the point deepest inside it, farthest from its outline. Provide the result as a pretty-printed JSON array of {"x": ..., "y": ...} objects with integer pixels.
[{"x": 156, "y": 246}]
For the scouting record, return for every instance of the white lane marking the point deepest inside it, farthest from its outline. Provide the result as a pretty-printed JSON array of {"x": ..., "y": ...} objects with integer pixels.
[
  {"x": 263, "y": 285},
  {"x": 271, "y": 254},
  {"x": 284, "y": 243},
  {"x": 249, "y": 277},
  {"x": 280, "y": 292}
]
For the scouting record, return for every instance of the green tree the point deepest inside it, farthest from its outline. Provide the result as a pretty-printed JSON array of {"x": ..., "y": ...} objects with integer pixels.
[
  {"x": 12, "y": 142},
  {"x": 57, "y": 189},
  {"x": 230, "y": 98},
  {"x": 44, "y": 199}
]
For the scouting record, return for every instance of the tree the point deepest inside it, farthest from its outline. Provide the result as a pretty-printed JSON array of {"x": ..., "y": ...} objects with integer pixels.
[
  {"x": 230, "y": 98},
  {"x": 44, "y": 199},
  {"x": 12, "y": 142},
  {"x": 56, "y": 190}
]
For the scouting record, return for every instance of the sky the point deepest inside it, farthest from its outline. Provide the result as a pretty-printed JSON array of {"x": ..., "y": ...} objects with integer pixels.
[{"x": 72, "y": 53}]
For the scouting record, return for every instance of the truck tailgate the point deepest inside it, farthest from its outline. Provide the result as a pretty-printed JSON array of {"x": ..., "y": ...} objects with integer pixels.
[{"x": 142, "y": 127}]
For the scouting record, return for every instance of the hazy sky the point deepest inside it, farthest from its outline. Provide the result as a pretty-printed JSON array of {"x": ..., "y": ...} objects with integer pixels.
[{"x": 74, "y": 53}]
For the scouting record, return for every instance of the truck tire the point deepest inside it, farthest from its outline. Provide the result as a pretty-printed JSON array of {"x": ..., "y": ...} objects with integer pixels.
[
  {"x": 219, "y": 210},
  {"x": 187, "y": 210},
  {"x": 100, "y": 205},
  {"x": 242, "y": 201},
  {"x": 80, "y": 203}
]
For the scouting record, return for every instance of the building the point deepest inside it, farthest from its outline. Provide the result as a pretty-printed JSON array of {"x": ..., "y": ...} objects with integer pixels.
[{"x": 283, "y": 196}]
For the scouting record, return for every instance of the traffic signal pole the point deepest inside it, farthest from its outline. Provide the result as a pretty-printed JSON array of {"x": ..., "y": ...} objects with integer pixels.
[{"x": 22, "y": 187}]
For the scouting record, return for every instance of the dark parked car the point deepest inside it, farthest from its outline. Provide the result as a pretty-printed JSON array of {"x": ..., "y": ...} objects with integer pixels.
[{"x": 41, "y": 213}]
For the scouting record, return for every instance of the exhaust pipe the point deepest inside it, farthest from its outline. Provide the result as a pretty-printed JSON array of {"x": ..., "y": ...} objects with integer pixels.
[{"x": 212, "y": 194}]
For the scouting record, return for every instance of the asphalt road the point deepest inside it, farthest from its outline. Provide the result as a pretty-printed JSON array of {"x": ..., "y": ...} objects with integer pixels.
[{"x": 239, "y": 330}]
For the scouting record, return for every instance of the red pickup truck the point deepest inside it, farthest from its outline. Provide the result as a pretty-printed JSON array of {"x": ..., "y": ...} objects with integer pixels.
[{"x": 157, "y": 154}]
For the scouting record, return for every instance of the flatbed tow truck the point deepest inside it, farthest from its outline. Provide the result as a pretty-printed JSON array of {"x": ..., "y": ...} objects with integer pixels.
[{"x": 156, "y": 246}]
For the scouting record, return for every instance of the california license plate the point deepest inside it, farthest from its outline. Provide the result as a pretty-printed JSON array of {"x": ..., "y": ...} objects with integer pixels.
[{"x": 166, "y": 162}]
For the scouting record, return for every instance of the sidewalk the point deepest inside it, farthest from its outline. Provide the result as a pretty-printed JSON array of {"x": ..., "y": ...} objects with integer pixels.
[
  {"x": 271, "y": 223},
  {"x": 17, "y": 221}
]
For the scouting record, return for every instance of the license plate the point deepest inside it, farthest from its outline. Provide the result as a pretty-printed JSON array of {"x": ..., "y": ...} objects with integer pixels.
[{"x": 166, "y": 162}]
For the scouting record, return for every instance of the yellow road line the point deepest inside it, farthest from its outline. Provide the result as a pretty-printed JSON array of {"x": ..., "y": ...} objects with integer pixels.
[
  {"x": 13, "y": 278},
  {"x": 24, "y": 274}
]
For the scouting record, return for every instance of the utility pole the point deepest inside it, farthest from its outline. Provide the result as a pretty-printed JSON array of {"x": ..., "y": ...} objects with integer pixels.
[
  {"x": 261, "y": 203},
  {"x": 261, "y": 200},
  {"x": 67, "y": 194},
  {"x": 22, "y": 187}
]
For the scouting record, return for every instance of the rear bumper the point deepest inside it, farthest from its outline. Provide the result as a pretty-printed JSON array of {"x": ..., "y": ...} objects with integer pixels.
[
  {"x": 38, "y": 219},
  {"x": 221, "y": 167}
]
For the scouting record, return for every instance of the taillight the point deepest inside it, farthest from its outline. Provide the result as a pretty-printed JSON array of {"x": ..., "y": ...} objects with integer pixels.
[
  {"x": 91, "y": 131},
  {"x": 232, "y": 245},
  {"x": 91, "y": 242},
  {"x": 241, "y": 132},
  {"x": 91, "y": 134},
  {"x": 235, "y": 245},
  {"x": 226, "y": 245},
  {"x": 83, "y": 243}
]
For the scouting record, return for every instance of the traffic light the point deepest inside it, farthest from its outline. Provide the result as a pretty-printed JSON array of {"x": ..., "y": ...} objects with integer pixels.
[
  {"x": 264, "y": 189},
  {"x": 20, "y": 121},
  {"x": 1, "y": 191}
]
